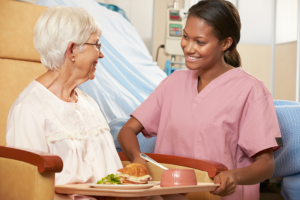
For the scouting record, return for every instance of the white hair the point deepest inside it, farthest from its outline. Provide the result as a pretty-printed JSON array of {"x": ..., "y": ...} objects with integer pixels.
[{"x": 57, "y": 27}]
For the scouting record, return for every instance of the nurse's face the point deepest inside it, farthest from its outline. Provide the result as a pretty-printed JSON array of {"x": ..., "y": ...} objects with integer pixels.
[{"x": 201, "y": 48}]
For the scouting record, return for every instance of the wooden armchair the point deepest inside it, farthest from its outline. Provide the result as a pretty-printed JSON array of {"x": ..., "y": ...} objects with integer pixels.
[{"x": 27, "y": 174}]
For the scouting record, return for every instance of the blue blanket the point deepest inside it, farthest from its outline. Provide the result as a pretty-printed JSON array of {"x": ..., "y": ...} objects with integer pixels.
[
  {"x": 287, "y": 158},
  {"x": 290, "y": 187}
]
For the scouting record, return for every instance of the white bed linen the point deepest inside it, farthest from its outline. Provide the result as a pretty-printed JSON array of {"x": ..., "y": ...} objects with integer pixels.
[{"x": 77, "y": 132}]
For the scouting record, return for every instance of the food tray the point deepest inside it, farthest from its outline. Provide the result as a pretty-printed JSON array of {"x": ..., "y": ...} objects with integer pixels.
[{"x": 85, "y": 189}]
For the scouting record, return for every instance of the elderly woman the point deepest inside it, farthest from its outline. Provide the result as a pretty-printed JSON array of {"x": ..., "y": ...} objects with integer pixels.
[{"x": 51, "y": 114}]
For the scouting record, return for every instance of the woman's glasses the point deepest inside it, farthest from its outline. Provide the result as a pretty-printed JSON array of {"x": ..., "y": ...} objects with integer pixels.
[{"x": 98, "y": 46}]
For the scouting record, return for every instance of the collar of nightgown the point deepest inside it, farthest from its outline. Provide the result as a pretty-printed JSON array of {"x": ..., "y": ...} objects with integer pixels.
[
  {"x": 197, "y": 98},
  {"x": 76, "y": 121}
]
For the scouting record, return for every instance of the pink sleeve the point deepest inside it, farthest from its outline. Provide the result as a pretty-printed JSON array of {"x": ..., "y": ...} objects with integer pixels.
[
  {"x": 149, "y": 112},
  {"x": 259, "y": 127}
]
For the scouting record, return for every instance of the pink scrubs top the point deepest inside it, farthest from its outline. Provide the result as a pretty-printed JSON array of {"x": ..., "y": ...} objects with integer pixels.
[{"x": 229, "y": 121}]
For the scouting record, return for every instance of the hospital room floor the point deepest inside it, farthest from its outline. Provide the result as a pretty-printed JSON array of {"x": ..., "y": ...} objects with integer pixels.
[
  {"x": 270, "y": 189},
  {"x": 270, "y": 196}
]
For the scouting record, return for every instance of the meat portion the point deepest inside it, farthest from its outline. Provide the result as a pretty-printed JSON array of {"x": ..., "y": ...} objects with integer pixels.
[{"x": 125, "y": 181}]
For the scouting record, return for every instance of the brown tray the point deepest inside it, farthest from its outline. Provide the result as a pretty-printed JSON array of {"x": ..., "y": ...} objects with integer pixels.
[{"x": 84, "y": 189}]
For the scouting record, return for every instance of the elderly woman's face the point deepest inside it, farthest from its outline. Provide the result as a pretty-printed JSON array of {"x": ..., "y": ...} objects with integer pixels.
[{"x": 88, "y": 58}]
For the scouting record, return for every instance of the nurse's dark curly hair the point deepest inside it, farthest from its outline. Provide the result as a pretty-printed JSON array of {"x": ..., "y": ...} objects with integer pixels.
[{"x": 224, "y": 18}]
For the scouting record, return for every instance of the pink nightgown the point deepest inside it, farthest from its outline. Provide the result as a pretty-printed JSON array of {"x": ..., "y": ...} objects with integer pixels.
[{"x": 229, "y": 121}]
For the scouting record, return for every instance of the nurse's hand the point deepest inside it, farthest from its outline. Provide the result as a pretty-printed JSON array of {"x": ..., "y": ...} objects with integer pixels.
[{"x": 228, "y": 183}]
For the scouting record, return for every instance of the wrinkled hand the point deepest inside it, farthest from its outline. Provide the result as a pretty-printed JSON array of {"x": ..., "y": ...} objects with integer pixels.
[{"x": 228, "y": 183}]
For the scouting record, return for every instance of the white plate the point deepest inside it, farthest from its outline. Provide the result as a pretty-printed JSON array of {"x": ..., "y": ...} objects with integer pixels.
[
  {"x": 154, "y": 182},
  {"x": 123, "y": 187}
]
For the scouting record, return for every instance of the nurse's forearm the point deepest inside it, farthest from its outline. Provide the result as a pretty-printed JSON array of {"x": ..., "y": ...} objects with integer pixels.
[
  {"x": 128, "y": 140},
  {"x": 129, "y": 143},
  {"x": 260, "y": 170}
]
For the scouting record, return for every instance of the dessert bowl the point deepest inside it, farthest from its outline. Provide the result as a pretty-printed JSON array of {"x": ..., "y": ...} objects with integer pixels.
[{"x": 178, "y": 177}]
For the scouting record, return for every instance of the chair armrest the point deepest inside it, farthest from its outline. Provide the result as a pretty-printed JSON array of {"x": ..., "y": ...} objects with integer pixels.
[
  {"x": 45, "y": 162},
  {"x": 211, "y": 167}
]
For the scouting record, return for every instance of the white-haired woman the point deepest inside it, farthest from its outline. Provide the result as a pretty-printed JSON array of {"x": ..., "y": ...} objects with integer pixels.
[{"x": 51, "y": 114}]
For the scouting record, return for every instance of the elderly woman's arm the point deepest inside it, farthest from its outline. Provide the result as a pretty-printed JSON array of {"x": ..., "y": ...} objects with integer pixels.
[{"x": 128, "y": 140}]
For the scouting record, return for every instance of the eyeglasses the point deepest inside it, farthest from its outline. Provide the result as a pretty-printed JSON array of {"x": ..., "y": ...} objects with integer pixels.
[{"x": 98, "y": 46}]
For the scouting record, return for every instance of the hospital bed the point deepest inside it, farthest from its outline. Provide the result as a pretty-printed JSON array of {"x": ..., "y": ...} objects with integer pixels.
[{"x": 28, "y": 174}]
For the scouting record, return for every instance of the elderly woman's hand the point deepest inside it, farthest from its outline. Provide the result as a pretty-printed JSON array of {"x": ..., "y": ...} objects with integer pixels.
[{"x": 228, "y": 183}]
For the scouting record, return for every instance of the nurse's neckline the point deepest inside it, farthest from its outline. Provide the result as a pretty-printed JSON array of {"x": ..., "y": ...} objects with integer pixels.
[{"x": 226, "y": 72}]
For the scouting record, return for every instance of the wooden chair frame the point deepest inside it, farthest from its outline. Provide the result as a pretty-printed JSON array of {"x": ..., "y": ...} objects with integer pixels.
[{"x": 49, "y": 163}]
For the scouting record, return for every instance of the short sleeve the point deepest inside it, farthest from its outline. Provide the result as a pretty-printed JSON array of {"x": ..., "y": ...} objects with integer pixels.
[
  {"x": 259, "y": 128},
  {"x": 149, "y": 112},
  {"x": 25, "y": 128}
]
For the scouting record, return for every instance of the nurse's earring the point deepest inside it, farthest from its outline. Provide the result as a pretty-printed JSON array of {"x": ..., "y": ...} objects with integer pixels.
[
  {"x": 73, "y": 59},
  {"x": 227, "y": 52}
]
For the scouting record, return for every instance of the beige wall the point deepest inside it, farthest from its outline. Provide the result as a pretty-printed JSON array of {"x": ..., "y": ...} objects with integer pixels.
[
  {"x": 159, "y": 30},
  {"x": 256, "y": 60},
  {"x": 285, "y": 71}
]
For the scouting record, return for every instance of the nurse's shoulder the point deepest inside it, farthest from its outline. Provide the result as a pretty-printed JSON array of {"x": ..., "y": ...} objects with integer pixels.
[{"x": 254, "y": 86}]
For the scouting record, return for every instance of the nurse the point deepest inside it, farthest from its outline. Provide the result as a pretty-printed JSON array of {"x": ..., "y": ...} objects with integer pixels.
[{"x": 214, "y": 110}]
